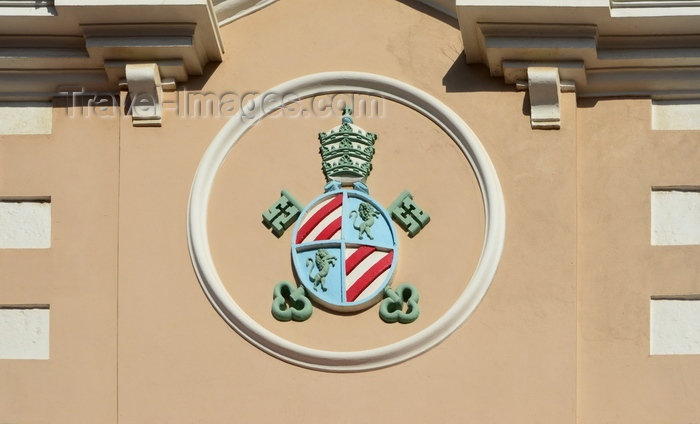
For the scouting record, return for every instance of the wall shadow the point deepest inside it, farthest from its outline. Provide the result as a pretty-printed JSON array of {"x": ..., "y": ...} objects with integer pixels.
[
  {"x": 198, "y": 82},
  {"x": 427, "y": 10},
  {"x": 590, "y": 102},
  {"x": 463, "y": 77}
]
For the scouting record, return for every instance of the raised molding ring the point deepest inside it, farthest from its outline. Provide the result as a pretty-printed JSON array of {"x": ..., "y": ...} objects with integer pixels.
[{"x": 360, "y": 83}]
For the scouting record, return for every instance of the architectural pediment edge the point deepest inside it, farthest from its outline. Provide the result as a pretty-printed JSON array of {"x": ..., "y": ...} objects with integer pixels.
[
  {"x": 603, "y": 54},
  {"x": 86, "y": 46}
]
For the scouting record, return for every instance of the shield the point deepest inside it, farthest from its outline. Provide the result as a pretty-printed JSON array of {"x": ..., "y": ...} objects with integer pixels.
[{"x": 344, "y": 250}]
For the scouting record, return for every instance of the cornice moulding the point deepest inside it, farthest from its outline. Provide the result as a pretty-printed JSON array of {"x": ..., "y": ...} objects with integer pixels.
[
  {"x": 42, "y": 54},
  {"x": 444, "y": 6},
  {"x": 27, "y": 8},
  {"x": 622, "y": 8},
  {"x": 643, "y": 53},
  {"x": 228, "y": 11}
]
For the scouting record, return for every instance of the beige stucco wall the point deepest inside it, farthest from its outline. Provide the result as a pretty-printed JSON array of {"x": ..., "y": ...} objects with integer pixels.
[
  {"x": 561, "y": 336},
  {"x": 514, "y": 360},
  {"x": 620, "y": 160},
  {"x": 78, "y": 167}
]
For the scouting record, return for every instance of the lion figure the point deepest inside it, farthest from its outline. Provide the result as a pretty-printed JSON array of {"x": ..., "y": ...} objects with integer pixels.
[
  {"x": 367, "y": 213},
  {"x": 323, "y": 261}
]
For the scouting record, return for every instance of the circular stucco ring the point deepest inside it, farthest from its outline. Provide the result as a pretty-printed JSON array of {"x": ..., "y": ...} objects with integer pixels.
[{"x": 359, "y": 83}]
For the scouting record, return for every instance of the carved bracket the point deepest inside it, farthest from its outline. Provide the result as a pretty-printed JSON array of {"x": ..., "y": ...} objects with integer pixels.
[
  {"x": 544, "y": 87},
  {"x": 145, "y": 102}
]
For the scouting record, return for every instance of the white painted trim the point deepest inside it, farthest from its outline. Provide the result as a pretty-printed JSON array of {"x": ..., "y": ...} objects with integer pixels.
[
  {"x": 652, "y": 8},
  {"x": 361, "y": 83},
  {"x": 90, "y": 43},
  {"x": 545, "y": 97},
  {"x": 146, "y": 93},
  {"x": 534, "y": 3},
  {"x": 443, "y": 6},
  {"x": 24, "y": 332},
  {"x": 635, "y": 51},
  {"x": 675, "y": 216},
  {"x": 228, "y": 11},
  {"x": 674, "y": 326},
  {"x": 25, "y": 223},
  {"x": 27, "y": 8},
  {"x": 25, "y": 118},
  {"x": 682, "y": 114}
]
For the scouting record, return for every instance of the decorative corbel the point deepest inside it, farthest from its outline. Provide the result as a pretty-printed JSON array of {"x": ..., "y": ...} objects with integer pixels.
[
  {"x": 544, "y": 88},
  {"x": 145, "y": 94}
]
